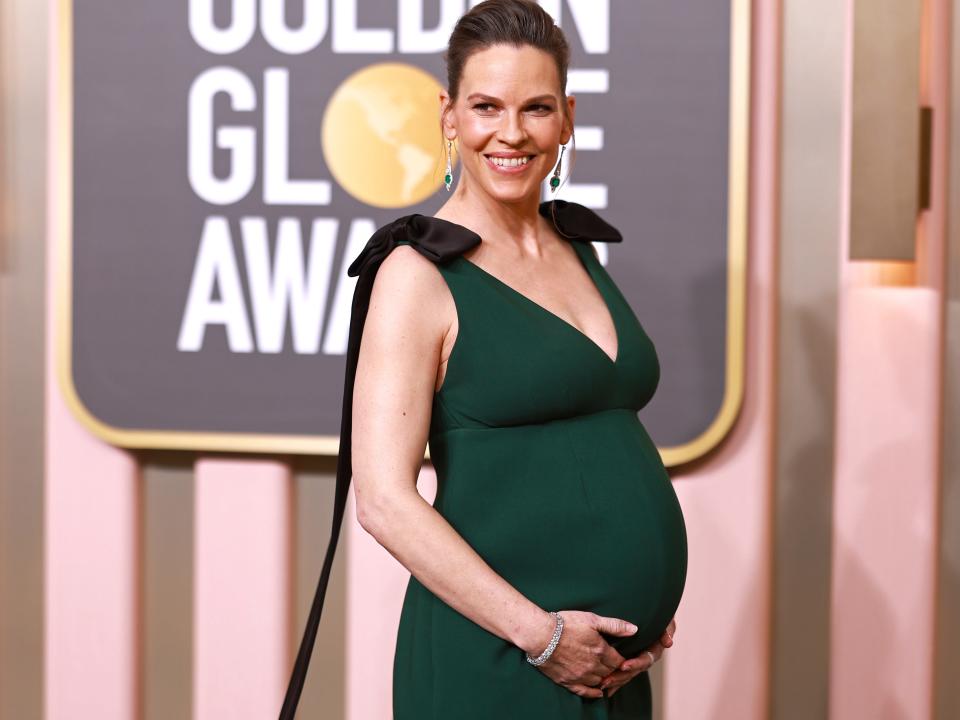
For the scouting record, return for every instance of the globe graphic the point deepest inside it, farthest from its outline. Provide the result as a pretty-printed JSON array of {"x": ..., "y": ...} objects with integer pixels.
[{"x": 381, "y": 135}]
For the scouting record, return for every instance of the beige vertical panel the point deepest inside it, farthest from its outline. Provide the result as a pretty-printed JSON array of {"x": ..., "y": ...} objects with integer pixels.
[
  {"x": 23, "y": 106},
  {"x": 885, "y": 177},
  {"x": 656, "y": 682},
  {"x": 811, "y": 135},
  {"x": 167, "y": 585},
  {"x": 947, "y": 658},
  {"x": 324, "y": 693},
  {"x": 242, "y": 586}
]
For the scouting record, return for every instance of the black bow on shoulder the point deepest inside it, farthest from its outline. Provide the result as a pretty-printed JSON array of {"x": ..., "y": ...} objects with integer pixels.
[
  {"x": 436, "y": 239},
  {"x": 573, "y": 220},
  {"x": 440, "y": 241}
]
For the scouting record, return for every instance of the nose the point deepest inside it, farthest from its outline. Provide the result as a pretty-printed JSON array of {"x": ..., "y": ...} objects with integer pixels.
[{"x": 512, "y": 131}]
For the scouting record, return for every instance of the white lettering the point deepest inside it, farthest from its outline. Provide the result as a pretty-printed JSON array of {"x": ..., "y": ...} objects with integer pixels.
[
  {"x": 592, "y": 195},
  {"x": 215, "y": 264},
  {"x": 304, "y": 292},
  {"x": 275, "y": 31},
  {"x": 278, "y": 188},
  {"x": 240, "y": 141},
  {"x": 589, "y": 137},
  {"x": 584, "y": 80},
  {"x": 338, "y": 326},
  {"x": 222, "y": 41}
]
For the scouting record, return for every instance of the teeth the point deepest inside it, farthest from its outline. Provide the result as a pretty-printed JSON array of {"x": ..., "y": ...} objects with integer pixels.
[{"x": 510, "y": 162}]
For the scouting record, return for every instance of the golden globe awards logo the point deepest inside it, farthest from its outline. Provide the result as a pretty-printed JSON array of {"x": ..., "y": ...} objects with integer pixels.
[
  {"x": 381, "y": 133},
  {"x": 215, "y": 208},
  {"x": 380, "y": 136},
  {"x": 381, "y": 144}
]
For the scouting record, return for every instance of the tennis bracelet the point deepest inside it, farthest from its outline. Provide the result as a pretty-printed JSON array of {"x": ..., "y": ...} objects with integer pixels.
[{"x": 544, "y": 656}]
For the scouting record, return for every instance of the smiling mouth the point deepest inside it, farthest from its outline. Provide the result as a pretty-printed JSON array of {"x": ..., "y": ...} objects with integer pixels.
[{"x": 509, "y": 162}]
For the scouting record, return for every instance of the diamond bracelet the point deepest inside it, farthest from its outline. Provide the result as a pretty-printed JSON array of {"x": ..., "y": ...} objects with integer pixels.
[{"x": 545, "y": 655}]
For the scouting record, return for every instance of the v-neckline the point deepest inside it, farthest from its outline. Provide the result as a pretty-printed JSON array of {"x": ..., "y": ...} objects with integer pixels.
[{"x": 613, "y": 361}]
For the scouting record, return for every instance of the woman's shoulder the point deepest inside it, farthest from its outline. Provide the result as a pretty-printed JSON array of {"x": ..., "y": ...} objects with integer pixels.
[
  {"x": 410, "y": 304},
  {"x": 407, "y": 283}
]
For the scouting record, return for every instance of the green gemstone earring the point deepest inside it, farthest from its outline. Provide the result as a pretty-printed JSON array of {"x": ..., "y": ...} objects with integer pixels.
[
  {"x": 448, "y": 177},
  {"x": 555, "y": 180}
]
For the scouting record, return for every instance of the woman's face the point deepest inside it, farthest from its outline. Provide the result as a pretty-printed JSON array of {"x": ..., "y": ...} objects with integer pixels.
[{"x": 509, "y": 106}]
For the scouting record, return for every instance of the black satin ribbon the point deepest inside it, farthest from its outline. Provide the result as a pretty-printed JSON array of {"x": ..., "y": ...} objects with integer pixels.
[
  {"x": 440, "y": 241},
  {"x": 573, "y": 220}
]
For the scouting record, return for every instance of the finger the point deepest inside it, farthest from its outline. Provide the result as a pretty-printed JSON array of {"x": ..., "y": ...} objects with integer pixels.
[
  {"x": 614, "y": 626},
  {"x": 592, "y": 679},
  {"x": 641, "y": 662},
  {"x": 584, "y": 691},
  {"x": 616, "y": 678},
  {"x": 667, "y": 638},
  {"x": 611, "y": 658},
  {"x": 620, "y": 679},
  {"x": 655, "y": 649}
]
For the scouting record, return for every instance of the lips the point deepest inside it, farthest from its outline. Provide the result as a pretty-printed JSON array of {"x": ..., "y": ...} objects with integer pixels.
[{"x": 509, "y": 161}]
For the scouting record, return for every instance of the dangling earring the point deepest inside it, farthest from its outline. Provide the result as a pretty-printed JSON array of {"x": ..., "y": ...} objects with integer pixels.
[
  {"x": 555, "y": 180},
  {"x": 448, "y": 177}
]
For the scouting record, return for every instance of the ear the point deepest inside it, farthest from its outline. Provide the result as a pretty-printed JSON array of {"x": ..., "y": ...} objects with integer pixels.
[
  {"x": 447, "y": 126},
  {"x": 568, "y": 120}
]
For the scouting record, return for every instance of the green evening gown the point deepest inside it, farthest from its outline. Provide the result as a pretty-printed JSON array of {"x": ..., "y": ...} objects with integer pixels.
[{"x": 546, "y": 471}]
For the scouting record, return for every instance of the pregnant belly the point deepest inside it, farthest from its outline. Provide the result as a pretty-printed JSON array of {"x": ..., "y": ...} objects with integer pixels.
[{"x": 577, "y": 514}]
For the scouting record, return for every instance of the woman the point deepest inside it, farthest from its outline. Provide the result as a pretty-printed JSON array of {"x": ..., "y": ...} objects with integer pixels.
[{"x": 545, "y": 576}]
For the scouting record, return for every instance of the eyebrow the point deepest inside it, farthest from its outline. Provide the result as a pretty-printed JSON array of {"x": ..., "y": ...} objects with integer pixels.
[{"x": 481, "y": 96}]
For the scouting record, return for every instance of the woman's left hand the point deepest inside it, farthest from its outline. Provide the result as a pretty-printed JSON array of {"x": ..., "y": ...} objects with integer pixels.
[{"x": 631, "y": 667}]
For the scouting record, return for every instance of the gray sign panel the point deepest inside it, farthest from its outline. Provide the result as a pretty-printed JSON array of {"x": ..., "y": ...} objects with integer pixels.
[{"x": 229, "y": 159}]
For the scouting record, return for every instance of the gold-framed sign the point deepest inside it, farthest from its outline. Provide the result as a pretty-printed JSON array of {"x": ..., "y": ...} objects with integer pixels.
[{"x": 219, "y": 164}]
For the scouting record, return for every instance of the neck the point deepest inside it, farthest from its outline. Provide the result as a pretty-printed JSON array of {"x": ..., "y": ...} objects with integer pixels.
[{"x": 517, "y": 224}]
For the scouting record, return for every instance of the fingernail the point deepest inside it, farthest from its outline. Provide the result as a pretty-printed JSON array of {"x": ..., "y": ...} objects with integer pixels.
[{"x": 632, "y": 628}]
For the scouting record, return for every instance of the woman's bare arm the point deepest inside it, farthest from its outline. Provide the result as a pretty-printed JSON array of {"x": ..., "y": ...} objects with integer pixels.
[{"x": 409, "y": 315}]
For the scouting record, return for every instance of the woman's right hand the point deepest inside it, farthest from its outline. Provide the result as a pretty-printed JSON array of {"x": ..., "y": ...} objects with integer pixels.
[{"x": 583, "y": 657}]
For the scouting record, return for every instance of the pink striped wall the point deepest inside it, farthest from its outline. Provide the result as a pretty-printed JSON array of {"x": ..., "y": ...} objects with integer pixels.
[{"x": 243, "y": 585}]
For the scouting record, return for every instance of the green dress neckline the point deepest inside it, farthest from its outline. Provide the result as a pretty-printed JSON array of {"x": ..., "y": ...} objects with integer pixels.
[{"x": 569, "y": 226}]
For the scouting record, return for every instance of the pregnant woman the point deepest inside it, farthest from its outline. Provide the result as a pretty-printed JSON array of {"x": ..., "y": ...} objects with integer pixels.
[{"x": 545, "y": 577}]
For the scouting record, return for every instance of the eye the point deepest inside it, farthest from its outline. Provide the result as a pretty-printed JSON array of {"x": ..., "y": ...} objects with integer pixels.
[
  {"x": 542, "y": 108},
  {"x": 482, "y": 106}
]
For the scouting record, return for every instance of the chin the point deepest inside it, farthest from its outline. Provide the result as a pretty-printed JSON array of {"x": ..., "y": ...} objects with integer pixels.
[{"x": 516, "y": 193}]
